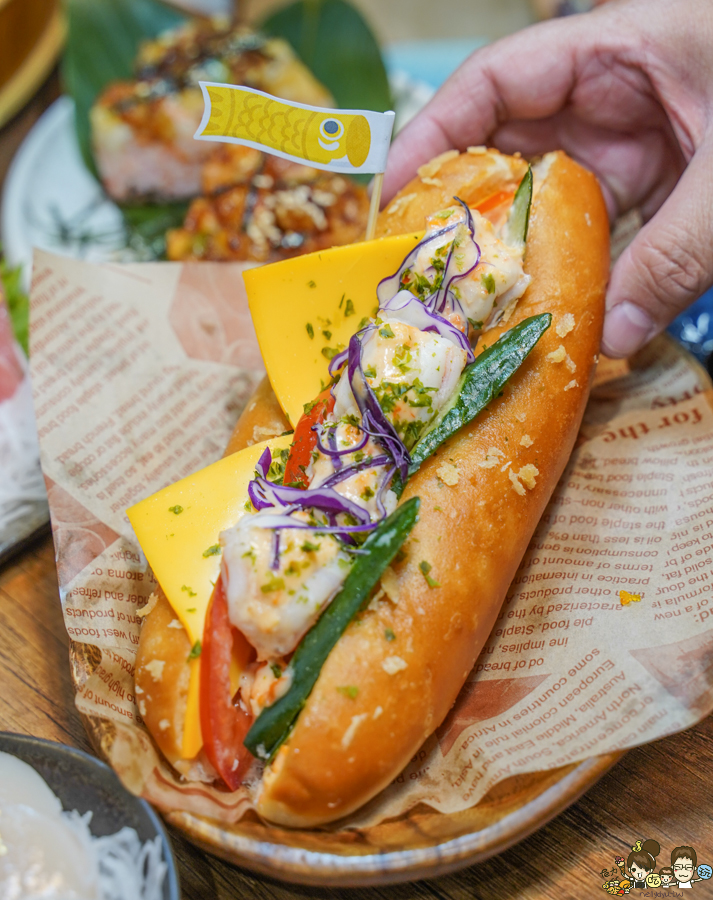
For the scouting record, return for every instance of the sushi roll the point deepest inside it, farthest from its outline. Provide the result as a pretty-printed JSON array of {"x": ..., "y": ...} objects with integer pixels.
[{"x": 142, "y": 130}]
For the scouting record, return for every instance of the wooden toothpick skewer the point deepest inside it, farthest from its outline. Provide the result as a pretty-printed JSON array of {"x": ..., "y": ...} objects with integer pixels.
[{"x": 374, "y": 207}]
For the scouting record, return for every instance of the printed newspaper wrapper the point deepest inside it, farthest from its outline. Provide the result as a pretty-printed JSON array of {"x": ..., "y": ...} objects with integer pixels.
[{"x": 139, "y": 373}]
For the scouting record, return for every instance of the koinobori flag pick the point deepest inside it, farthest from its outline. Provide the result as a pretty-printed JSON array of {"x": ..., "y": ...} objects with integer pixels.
[{"x": 348, "y": 141}]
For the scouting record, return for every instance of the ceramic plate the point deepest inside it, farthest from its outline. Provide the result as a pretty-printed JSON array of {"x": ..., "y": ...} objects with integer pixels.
[{"x": 84, "y": 783}]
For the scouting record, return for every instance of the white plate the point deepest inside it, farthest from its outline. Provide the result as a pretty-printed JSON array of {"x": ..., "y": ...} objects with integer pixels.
[{"x": 53, "y": 202}]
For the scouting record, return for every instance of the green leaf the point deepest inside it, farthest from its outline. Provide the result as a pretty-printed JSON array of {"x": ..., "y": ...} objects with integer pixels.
[
  {"x": 147, "y": 224},
  {"x": 336, "y": 44},
  {"x": 103, "y": 37},
  {"x": 18, "y": 304},
  {"x": 519, "y": 217}
]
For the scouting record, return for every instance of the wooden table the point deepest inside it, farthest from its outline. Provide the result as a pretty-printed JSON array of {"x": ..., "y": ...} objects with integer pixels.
[{"x": 661, "y": 791}]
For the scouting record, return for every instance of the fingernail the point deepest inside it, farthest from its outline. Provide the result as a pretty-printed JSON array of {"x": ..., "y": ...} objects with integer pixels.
[{"x": 627, "y": 327}]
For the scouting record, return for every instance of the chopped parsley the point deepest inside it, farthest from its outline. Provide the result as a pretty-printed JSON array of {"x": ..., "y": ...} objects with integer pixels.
[
  {"x": 367, "y": 493},
  {"x": 276, "y": 670},
  {"x": 189, "y": 590},
  {"x": 388, "y": 393},
  {"x": 402, "y": 358},
  {"x": 422, "y": 395},
  {"x": 419, "y": 284},
  {"x": 425, "y": 568},
  {"x": 370, "y": 372},
  {"x": 308, "y": 407},
  {"x": 410, "y": 431},
  {"x": 195, "y": 650},
  {"x": 274, "y": 584},
  {"x": 310, "y": 329},
  {"x": 349, "y": 309},
  {"x": 488, "y": 282},
  {"x": 309, "y": 547},
  {"x": 176, "y": 510},
  {"x": 475, "y": 323},
  {"x": 327, "y": 335},
  {"x": 364, "y": 322},
  {"x": 311, "y": 284},
  {"x": 389, "y": 634},
  {"x": 349, "y": 690},
  {"x": 212, "y": 551},
  {"x": 386, "y": 331},
  {"x": 276, "y": 472},
  {"x": 191, "y": 610},
  {"x": 329, "y": 352}
]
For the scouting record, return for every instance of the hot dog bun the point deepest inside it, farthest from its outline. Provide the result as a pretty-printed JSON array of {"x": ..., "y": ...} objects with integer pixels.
[
  {"x": 162, "y": 677},
  {"x": 479, "y": 508},
  {"x": 261, "y": 420},
  {"x": 473, "y": 533},
  {"x": 473, "y": 176}
]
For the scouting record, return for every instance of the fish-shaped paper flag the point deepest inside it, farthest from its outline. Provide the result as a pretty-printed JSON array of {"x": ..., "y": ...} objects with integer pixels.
[{"x": 345, "y": 140}]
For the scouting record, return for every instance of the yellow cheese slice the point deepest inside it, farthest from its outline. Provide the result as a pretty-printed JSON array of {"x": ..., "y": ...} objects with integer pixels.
[
  {"x": 178, "y": 529},
  {"x": 306, "y": 307},
  {"x": 192, "y": 736}
]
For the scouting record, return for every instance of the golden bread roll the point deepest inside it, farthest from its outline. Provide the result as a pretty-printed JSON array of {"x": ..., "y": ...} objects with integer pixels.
[
  {"x": 482, "y": 494},
  {"x": 162, "y": 677},
  {"x": 473, "y": 533},
  {"x": 474, "y": 176}
]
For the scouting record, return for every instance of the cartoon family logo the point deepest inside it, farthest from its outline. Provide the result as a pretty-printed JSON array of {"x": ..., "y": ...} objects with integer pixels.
[{"x": 638, "y": 870}]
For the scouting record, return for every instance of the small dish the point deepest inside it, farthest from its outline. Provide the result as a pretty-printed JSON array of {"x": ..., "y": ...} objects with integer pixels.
[
  {"x": 31, "y": 36},
  {"x": 84, "y": 783}
]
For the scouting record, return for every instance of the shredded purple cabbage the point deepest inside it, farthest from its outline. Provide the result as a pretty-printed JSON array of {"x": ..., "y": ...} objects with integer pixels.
[
  {"x": 429, "y": 315},
  {"x": 336, "y": 362},
  {"x": 373, "y": 420},
  {"x": 409, "y": 310},
  {"x": 265, "y": 495},
  {"x": 367, "y": 463},
  {"x": 332, "y": 450},
  {"x": 392, "y": 284},
  {"x": 284, "y": 520},
  {"x": 262, "y": 467},
  {"x": 445, "y": 296}
]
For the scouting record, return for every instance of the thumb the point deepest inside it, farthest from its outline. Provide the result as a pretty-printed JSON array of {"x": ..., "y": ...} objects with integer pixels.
[{"x": 668, "y": 265}]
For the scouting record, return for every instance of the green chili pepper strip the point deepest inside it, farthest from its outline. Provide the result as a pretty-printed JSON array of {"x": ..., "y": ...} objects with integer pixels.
[
  {"x": 480, "y": 382},
  {"x": 519, "y": 218},
  {"x": 275, "y": 722}
]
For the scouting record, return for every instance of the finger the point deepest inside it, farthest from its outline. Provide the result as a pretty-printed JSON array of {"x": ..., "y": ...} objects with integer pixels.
[
  {"x": 667, "y": 266},
  {"x": 527, "y": 75},
  {"x": 635, "y": 169}
]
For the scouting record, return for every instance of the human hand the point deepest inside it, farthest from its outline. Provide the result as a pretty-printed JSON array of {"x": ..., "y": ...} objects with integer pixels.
[{"x": 627, "y": 90}]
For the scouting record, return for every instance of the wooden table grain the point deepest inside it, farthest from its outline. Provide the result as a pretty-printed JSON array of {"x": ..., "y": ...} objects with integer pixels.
[{"x": 661, "y": 791}]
